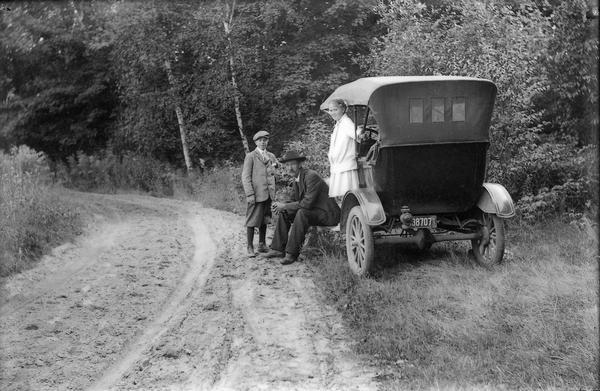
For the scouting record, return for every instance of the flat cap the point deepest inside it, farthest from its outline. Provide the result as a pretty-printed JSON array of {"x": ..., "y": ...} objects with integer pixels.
[{"x": 260, "y": 134}]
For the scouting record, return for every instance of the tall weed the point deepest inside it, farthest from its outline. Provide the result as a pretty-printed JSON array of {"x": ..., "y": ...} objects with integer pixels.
[{"x": 32, "y": 217}]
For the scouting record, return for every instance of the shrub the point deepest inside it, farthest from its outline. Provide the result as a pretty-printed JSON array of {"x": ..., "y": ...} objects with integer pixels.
[
  {"x": 32, "y": 217},
  {"x": 551, "y": 179},
  {"x": 108, "y": 172},
  {"x": 313, "y": 142},
  {"x": 522, "y": 47},
  {"x": 219, "y": 187}
]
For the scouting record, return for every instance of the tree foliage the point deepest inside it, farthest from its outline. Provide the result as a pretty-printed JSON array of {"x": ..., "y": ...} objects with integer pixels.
[
  {"x": 90, "y": 76},
  {"x": 543, "y": 58},
  {"x": 289, "y": 55},
  {"x": 55, "y": 82}
]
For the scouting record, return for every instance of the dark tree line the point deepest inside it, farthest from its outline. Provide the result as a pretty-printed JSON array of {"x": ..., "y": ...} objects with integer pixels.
[
  {"x": 137, "y": 76},
  {"x": 85, "y": 76}
]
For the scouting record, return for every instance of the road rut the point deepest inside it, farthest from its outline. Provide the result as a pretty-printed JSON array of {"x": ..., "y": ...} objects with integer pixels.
[{"x": 158, "y": 295}]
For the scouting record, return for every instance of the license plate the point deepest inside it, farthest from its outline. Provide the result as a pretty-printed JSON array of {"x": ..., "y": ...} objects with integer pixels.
[{"x": 424, "y": 222}]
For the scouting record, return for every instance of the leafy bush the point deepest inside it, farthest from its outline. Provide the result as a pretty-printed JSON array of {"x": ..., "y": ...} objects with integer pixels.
[
  {"x": 565, "y": 199},
  {"x": 219, "y": 187},
  {"x": 32, "y": 217},
  {"x": 542, "y": 59},
  {"x": 551, "y": 179},
  {"x": 313, "y": 142},
  {"x": 108, "y": 172}
]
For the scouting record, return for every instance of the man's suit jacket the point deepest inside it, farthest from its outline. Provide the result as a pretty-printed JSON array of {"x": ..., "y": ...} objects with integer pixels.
[
  {"x": 311, "y": 192},
  {"x": 258, "y": 175}
]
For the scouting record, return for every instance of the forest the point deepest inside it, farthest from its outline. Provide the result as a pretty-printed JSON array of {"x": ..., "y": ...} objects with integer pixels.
[
  {"x": 123, "y": 127},
  {"x": 153, "y": 89}
]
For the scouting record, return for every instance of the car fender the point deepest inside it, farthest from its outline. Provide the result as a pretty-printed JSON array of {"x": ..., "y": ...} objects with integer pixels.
[
  {"x": 496, "y": 200},
  {"x": 369, "y": 203}
]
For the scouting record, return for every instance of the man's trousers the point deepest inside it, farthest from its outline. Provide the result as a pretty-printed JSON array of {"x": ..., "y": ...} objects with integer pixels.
[{"x": 297, "y": 225}]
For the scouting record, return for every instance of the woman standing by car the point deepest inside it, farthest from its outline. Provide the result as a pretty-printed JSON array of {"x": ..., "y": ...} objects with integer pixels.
[
  {"x": 342, "y": 151},
  {"x": 258, "y": 179}
]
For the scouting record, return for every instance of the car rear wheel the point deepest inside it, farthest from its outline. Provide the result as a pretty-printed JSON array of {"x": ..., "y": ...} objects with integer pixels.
[
  {"x": 489, "y": 249},
  {"x": 360, "y": 246}
]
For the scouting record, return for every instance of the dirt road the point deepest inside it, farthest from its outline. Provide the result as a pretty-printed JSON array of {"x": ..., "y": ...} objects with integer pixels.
[{"x": 157, "y": 294}]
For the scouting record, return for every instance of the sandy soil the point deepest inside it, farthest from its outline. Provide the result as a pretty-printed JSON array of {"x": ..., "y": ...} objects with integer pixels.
[{"x": 157, "y": 294}]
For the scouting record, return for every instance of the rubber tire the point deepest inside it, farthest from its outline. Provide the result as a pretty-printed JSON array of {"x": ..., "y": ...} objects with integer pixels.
[
  {"x": 360, "y": 250},
  {"x": 493, "y": 252}
]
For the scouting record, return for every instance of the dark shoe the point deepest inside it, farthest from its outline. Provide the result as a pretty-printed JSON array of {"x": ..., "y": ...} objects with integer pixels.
[
  {"x": 289, "y": 259},
  {"x": 262, "y": 248},
  {"x": 251, "y": 253},
  {"x": 273, "y": 254}
]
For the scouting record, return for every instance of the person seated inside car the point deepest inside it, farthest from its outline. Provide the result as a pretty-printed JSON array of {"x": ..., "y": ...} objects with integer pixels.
[{"x": 367, "y": 138}]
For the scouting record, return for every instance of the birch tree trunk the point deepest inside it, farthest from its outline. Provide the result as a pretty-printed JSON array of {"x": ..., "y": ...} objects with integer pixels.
[
  {"x": 182, "y": 132},
  {"x": 77, "y": 17},
  {"x": 236, "y": 93}
]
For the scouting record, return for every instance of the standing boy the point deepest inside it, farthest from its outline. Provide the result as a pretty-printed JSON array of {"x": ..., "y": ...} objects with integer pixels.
[{"x": 258, "y": 179}]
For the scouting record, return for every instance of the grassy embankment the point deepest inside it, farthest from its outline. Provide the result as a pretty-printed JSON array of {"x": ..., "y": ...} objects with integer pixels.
[
  {"x": 33, "y": 218},
  {"x": 436, "y": 320}
]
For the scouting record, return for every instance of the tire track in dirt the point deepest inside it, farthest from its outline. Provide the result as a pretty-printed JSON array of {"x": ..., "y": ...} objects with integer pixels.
[
  {"x": 204, "y": 254},
  {"x": 89, "y": 250},
  {"x": 172, "y": 303},
  {"x": 107, "y": 219},
  {"x": 255, "y": 326},
  {"x": 66, "y": 324},
  {"x": 287, "y": 340}
]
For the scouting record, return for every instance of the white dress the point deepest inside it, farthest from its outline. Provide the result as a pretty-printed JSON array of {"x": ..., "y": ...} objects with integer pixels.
[{"x": 342, "y": 159}]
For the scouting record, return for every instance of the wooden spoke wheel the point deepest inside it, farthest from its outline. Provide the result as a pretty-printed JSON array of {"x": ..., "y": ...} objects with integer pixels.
[
  {"x": 360, "y": 246},
  {"x": 489, "y": 249}
]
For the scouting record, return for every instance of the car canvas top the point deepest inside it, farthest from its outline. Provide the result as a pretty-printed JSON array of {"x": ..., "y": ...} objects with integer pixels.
[{"x": 419, "y": 110}]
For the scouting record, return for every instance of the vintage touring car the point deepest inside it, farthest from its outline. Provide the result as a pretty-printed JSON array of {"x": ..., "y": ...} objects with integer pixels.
[{"x": 422, "y": 173}]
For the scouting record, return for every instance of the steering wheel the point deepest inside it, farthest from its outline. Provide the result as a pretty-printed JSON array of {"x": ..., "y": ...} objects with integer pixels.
[{"x": 369, "y": 133}]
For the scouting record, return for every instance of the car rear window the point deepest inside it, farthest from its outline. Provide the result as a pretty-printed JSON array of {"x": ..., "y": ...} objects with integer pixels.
[
  {"x": 416, "y": 111},
  {"x": 437, "y": 109},
  {"x": 458, "y": 109}
]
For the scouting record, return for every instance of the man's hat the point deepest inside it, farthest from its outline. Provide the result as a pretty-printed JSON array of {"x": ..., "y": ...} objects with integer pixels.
[
  {"x": 292, "y": 155},
  {"x": 260, "y": 134}
]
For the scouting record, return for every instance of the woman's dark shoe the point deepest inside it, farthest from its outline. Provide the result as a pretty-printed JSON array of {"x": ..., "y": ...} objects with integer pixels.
[
  {"x": 262, "y": 248},
  {"x": 273, "y": 254},
  {"x": 289, "y": 259},
  {"x": 251, "y": 253}
]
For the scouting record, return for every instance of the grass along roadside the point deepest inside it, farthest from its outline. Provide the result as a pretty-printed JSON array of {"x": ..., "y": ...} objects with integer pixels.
[
  {"x": 435, "y": 320},
  {"x": 33, "y": 217}
]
